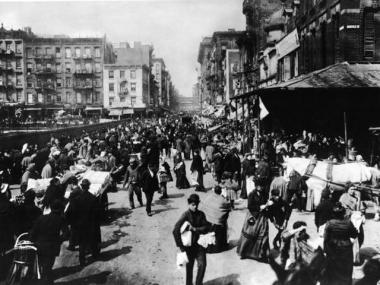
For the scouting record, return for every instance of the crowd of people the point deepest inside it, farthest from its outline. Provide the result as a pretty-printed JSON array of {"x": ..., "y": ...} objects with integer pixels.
[{"x": 136, "y": 155}]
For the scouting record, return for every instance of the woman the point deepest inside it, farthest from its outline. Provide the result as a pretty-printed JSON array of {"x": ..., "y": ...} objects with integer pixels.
[
  {"x": 164, "y": 176},
  {"x": 338, "y": 248},
  {"x": 180, "y": 172},
  {"x": 254, "y": 239},
  {"x": 197, "y": 165}
]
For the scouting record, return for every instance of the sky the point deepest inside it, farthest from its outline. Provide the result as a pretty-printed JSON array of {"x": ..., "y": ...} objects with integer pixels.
[{"x": 174, "y": 27}]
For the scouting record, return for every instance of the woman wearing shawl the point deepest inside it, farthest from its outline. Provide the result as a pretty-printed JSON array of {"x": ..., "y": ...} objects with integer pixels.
[{"x": 180, "y": 172}]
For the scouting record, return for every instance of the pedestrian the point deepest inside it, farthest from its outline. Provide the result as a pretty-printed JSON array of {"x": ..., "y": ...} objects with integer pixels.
[
  {"x": 164, "y": 176},
  {"x": 131, "y": 183},
  {"x": 218, "y": 161},
  {"x": 338, "y": 248},
  {"x": 217, "y": 209},
  {"x": 198, "y": 225},
  {"x": 84, "y": 213},
  {"x": 180, "y": 172},
  {"x": 149, "y": 185},
  {"x": 279, "y": 214},
  {"x": 324, "y": 210},
  {"x": 48, "y": 233},
  {"x": 197, "y": 166},
  {"x": 48, "y": 171},
  {"x": 254, "y": 239}
]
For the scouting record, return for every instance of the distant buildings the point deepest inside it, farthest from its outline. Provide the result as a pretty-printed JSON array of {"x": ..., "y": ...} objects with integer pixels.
[{"x": 80, "y": 75}]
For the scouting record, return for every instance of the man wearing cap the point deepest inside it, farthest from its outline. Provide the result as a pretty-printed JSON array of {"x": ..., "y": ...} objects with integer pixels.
[
  {"x": 149, "y": 184},
  {"x": 84, "y": 212},
  {"x": 198, "y": 225},
  {"x": 131, "y": 181}
]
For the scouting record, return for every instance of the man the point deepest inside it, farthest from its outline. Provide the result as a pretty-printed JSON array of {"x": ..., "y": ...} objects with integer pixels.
[
  {"x": 48, "y": 233},
  {"x": 84, "y": 214},
  {"x": 149, "y": 184},
  {"x": 198, "y": 225},
  {"x": 131, "y": 181},
  {"x": 217, "y": 209},
  {"x": 49, "y": 169}
]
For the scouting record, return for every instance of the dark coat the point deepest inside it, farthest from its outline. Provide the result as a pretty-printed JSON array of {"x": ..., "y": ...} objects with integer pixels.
[
  {"x": 27, "y": 214},
  {"x": 148, "y": 183},
  {"x": 197, "y": 165},
  {"x": 83, "y": 214},
  {"x": 7, "y": 217},
  {"x": 48, "y": 233}
]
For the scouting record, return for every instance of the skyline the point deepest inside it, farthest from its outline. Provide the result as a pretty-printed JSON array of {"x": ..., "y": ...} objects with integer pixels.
[{"x": 174, "y": 27}]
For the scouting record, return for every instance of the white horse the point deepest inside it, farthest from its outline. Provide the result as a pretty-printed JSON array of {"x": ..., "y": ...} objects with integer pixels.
[{"x": 340, "y": 174}]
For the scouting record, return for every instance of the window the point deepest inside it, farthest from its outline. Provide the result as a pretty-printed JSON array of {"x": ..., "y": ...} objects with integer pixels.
[
  {"x": 111, "y": 87},
  {"x": 29, "y": 67},
  {"x": 38, "y": 51},
  {"x": 87, "y": 52},
  {"x": 97, "y": 51},
  {"x": 40, "y": 98},
  {"x": 48, "y": 51},
  {"x": 68, "y": 97},
  {"x": 30, "y": 98},
  {"x": 19, "y": 80},
  {"x": 58, "y": 67},
  {"x": 8, "y": 45},
  {"x": 133, "y": 101},
  {"x": 133, "y": 74},
  {"x": 88, "y": 83},
  {"x": 1, "y": 80},
  {"x": 18, "y": 63},
  {"x": 48, "y": 67},
  {"x": 122, "y": 73},
  {"x": 19, "y": 96},
  {"x": 96, "y": 97},
  {"x": 79, "y": 98},
  {"x": 68, "y": 67},
  {"x": 48, "y": 98},
  {"x": 77, "y": 52},
  {"x": 59, "y": 98},
  {"x": 110, "y": 74},
  {"x": 38, "y": 67},
  {"x": 122, "y": 99},
  {"x": 29, "y": 52},
  {"x": 88, "y": 67},
  {"x": 18, "y": 47},
  {"x": 77, "y": 67},
  {"x": 29, "y": 83},
  {"x": 111, "y": 101},
  {"x": 98, "y": 83},
  {"x": 68, "y": 52},
  {"x": 133, "y": 87},
  {"x": 58, "y": 52},
  {"x": 59, "y": 82},
  {"x": 68, "y": 82},
  {"x": 97, "y": 67}
]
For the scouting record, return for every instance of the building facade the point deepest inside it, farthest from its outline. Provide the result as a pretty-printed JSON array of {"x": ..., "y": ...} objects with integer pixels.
[
  {"x": 126, "y": 89},
  {"x": 161, "y": 76},
  {"x": 204, "y": 54}
]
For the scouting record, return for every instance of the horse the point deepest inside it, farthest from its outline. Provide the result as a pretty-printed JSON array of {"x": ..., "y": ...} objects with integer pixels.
[{"x": 321, "y": 174}]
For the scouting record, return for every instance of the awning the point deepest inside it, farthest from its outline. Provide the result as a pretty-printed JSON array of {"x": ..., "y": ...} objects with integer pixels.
[
  {"x": 32, "y": 109},
  {"x": 93, "y": 108},
  {"x": 340, "y": 75}
]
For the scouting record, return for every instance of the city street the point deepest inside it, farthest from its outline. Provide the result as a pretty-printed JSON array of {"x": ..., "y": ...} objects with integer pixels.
[{"x": 137, "y": 249}]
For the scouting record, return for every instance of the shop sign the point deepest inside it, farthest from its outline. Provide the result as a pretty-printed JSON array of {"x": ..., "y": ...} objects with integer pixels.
[{"x": 288, "y": 44}]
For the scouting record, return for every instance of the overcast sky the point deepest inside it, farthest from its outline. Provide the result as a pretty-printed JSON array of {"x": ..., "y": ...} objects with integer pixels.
[{"x": 174, "y": 27}]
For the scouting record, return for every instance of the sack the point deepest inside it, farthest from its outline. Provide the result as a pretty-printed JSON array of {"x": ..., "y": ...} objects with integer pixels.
[
  {"x": 182, "y": 259},
  {"x": 186, "y": 235},
  {"x": 193, "y": 179},
  {"x": 207, "y": 239}
]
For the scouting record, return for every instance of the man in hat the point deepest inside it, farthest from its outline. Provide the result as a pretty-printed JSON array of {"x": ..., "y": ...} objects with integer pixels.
[
  {"x": 48, "y": 233},
  {"x": 149, "y": 184},
  {"x": 84, "y": 212},
  {"x": 198, "y": 225},
  {"x": 131, "y": 182}
]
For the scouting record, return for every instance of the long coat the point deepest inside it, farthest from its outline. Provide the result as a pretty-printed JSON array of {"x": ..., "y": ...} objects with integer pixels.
[{"x": 148, "y": 183}]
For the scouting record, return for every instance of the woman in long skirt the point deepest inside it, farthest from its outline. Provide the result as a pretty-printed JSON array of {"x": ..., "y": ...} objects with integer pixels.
[
  {"x": 254, "y": 239},
  {"x": 180, "y": 172}
]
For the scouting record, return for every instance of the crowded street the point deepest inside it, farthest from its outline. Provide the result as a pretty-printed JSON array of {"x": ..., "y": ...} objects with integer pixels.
[{"x": 202, "y": 142}]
